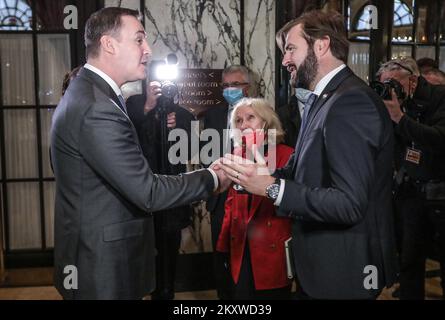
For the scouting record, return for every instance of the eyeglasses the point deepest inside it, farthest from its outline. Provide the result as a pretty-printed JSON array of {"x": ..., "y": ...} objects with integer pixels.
[{"x": 226, "y": 85}]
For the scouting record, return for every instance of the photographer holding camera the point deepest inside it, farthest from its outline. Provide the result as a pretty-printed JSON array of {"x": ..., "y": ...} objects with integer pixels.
[
  {"x": 154, "y": 113},
  {"x": 417, "y": 109}
]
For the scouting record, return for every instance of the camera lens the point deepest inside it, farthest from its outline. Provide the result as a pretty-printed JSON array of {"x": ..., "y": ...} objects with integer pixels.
[
  {"x": 398, "y": 89},
  {"x": 169, "y": 89},
  {"x": 383, "y": 89},
  {"x": 378, "y": 87}
]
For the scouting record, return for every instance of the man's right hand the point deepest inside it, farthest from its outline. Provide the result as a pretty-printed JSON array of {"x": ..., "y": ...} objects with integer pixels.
[
  {"x": 223, "y": 179},
  {"x": 153, "y": 91}
]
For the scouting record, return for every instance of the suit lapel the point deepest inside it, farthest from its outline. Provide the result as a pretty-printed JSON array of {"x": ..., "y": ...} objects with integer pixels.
[
  {"x": 315, "y": 109},
  {"x": 101, "y": 84},
  {"x": 320, "y": 102}
]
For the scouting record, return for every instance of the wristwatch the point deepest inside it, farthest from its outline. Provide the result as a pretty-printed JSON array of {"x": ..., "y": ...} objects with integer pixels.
[{"x": 273, "y": 190}]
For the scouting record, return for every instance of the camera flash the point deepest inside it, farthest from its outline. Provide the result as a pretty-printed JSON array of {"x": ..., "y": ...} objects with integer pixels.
[{"x": 166, "y": 72}]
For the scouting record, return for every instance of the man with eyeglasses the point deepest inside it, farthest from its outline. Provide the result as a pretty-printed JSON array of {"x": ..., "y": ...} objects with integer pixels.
[
  {"x": 235, "y": 84},
  {"x": 419, "y": 123}
]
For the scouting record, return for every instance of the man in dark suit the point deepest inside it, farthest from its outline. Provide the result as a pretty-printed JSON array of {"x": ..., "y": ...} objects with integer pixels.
[
  {"x": 105, "y": 189},
  {"x": 337, "y": 185}
]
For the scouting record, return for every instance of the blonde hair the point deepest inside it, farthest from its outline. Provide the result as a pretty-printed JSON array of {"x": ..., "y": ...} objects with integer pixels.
[{"x": 264, "y": 110}]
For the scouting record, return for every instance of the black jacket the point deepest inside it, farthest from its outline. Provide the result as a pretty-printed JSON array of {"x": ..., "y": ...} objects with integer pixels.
[
  {"x": 338, "y": 192},
  {"x": 423, "y": 124},
  {"x": 105, "y": 190}
]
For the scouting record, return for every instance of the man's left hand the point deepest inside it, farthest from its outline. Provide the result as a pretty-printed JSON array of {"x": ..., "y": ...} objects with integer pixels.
[
  {"x": 247, "y": 173},
  {"x": 393, "y": 107},
  {"x": 223, "y": 181}
]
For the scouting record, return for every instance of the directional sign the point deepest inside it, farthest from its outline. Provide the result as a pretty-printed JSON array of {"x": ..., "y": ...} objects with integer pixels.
[{"x": 199, "y": 89}]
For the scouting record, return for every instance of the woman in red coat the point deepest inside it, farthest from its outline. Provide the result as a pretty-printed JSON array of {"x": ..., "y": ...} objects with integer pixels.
[{"x": 251, "y": 233}]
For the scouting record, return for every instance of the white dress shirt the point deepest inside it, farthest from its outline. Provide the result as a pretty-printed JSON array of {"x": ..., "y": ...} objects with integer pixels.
[{"x": 106, "y": 77}]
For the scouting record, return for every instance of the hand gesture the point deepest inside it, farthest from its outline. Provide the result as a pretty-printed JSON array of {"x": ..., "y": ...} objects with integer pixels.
[
  {"x": 224, "y": 181},
  {"x": 250, "y": 175}
]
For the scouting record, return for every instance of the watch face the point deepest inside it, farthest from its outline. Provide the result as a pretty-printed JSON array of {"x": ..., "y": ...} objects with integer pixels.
[{"x": 273, "y": 190}]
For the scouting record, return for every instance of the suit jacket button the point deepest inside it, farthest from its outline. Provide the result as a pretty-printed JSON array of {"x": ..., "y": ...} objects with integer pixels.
[
  {"x": 272, "y": 246},
  {"x": 235, "y": 218},
  {"x": 232, "y": 238},
  {"x": 269, "y": 224}
]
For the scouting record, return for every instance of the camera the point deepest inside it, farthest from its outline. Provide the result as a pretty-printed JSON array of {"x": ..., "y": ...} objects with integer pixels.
[
  {"x": 169, "y": 89},
  {"x": 165, "y": 71},
  {"x": 383, "y": 89}
]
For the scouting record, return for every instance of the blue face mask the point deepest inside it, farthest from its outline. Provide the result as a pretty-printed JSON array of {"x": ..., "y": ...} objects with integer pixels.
[
  {"x": 302, "y": 94},
  {"x": 233, "y": 95}
]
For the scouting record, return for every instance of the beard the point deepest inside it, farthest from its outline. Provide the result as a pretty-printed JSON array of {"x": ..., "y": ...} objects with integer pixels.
[{"x": 307, "y": 71}]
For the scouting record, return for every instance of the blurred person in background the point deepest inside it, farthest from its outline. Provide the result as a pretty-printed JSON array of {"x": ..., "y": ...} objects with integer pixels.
[{"x": 419, "y": 124}]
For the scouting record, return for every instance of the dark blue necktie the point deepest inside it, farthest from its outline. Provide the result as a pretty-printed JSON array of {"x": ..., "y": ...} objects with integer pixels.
[
  {"x": 122, "y": 101},
  {"x": 307, "y": 106}
]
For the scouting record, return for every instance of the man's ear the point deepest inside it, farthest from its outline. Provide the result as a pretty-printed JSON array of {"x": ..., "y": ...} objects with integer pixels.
[
  {"x": 413, "y": 82},
  {"x": 322, "y": 46},
  {"x": 108, "y": 44}
]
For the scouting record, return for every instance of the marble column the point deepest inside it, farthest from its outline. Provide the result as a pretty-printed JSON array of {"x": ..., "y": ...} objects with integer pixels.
[
  {"x": 202, "y": 33},
  {"x": 259, "y": 54}
]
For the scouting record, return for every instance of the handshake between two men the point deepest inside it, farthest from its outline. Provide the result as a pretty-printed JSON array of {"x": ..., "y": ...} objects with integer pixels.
[{"x": 254, "y": 177}]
